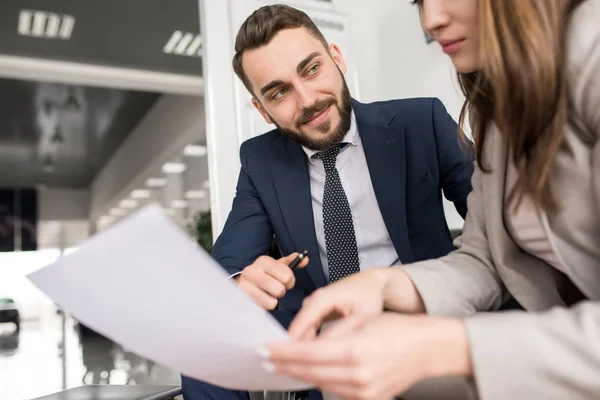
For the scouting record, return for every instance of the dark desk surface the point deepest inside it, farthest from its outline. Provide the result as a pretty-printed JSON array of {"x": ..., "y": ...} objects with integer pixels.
[{"x": 116, "y": 392}]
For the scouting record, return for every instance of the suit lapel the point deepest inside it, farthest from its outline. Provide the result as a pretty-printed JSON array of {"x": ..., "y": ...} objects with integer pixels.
[
  {"x": 386, "y": 157},
  {"x": 292, "y": 186}
]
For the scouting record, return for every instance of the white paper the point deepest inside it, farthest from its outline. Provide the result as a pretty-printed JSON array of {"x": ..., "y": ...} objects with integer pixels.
[{"x": 146, "y": 285}]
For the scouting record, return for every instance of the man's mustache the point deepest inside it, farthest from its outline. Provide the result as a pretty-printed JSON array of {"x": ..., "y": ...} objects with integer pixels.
[{"x": 309, "y": 113}]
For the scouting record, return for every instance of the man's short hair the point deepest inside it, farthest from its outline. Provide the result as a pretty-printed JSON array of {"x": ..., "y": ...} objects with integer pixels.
[{"x": 260, "y": 28}]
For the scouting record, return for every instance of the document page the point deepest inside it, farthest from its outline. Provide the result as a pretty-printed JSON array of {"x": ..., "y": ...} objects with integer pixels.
[{"x": 149, "y": 287}]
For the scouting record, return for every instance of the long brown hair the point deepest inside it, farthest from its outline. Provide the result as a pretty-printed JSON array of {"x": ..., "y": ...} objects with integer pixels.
[{"x": 521, "y": 87}]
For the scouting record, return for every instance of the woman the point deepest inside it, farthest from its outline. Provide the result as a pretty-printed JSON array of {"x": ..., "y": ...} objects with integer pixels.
[{"x": 530, "y": 71}]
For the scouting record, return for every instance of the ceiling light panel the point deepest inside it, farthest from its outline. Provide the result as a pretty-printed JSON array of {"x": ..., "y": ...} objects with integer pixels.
[
  {"x": 128, "y": 203},
  {"x": 184, "y": 44},
  {"x": 156, "y": 182},
  {"x": 195, "y": 194},
  {"x": 141, "y": 194},
  {"x": 179, "y": 204},
  {"x": 173, "y": 168},
  {"x": 117, "y": 212},
  {"x": 195, "y": 150},
  {"x": 45, "y": 25}
]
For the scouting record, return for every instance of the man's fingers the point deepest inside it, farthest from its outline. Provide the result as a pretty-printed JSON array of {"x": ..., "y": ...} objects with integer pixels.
[
  {"x": 260, "y": 297},
  {"x": 287, "y": 260},
  {"x": 304, "y": 262},
  {"x": 282, "y": 273},
  {"x": 266, "y": 282}
]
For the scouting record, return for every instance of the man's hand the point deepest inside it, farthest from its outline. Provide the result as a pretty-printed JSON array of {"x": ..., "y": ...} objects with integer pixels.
[{"x": 267, "y": 280}]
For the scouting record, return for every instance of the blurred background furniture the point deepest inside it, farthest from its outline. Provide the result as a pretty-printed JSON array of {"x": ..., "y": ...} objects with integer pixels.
[{"x": 113, "y": 392}]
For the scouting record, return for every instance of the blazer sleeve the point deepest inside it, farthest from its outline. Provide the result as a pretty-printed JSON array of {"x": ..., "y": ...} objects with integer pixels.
[
  {"x": 465, "y": 281},
  {"x": 248, "y": 231},
  {"x": 455, "y": 163}
]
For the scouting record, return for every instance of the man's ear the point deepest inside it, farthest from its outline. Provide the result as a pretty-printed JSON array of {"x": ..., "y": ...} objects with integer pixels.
[
  {"x": 336, "y": 55},
  {"x": 261, "y": 110}
]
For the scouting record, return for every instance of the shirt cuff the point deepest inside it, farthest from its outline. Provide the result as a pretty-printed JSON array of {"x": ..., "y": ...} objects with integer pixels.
[{"x": 234, "y": 275}]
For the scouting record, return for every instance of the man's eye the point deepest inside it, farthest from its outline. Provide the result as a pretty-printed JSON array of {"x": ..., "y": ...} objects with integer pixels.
[
  {"x": 313, "y": 69},
  {"x": 279, "y": 93}
]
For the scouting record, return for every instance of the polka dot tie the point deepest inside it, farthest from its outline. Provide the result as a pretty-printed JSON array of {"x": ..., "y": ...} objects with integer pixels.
[{"x": 340, "y": 239}]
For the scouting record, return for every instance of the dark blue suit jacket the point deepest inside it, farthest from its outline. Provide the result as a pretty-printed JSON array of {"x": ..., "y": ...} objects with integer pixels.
[{"x": 413, "y": 154}]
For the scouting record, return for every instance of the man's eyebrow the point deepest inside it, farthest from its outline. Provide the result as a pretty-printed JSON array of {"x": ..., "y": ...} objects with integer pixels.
[
  {"x": 305, "y": 62},
  {"x": 270, "y": 86},
  {"x": 301, "y": 65}
]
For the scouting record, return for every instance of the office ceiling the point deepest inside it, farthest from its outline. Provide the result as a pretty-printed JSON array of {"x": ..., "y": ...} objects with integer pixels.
[
  {"x": 153, "y": 35},
  {"x": 59, "y": 135}
]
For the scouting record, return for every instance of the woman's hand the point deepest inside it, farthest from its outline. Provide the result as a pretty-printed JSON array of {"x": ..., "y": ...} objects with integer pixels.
[
  {"x": 358, "y": 295},
  {"x": 364, "y": 294},
  {"x": 376, "y": 358}
]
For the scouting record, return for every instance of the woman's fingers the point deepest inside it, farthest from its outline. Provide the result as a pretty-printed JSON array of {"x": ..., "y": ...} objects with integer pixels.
[
  {"x": 317, "y": 309},
  {"x": 350, "y": 382},
  {"x": 313, "y": 353},
  {"x": 342, "y": 328}
]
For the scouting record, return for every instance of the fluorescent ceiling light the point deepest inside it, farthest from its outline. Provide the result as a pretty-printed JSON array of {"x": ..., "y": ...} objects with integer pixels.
[
  {"x": 52, "y": 25},
  {"x": 39, "y": 22},
  {"x": 24, "y": 23},
  {"x": 195, "y": 150},
  {"x": 173, "y": 168},
  {"x": 156, "y": 182},
  {"x": 173, "y": 40},
  {"x": 178, "y": 204},
  {"x": 184, "y": 43},
  {"x": 128, "y": 203},
  {"x": 66, "y": 28},
  {"x": 169, "y": 211},
  {"x": 195, "y": 194},
  {"x": 47, "y": 25},
  {"x": 206, "y": 185},
  {"x": 141, "y": 194},
  {"x": 105, "y": 219},
  {"x": 117, "y": 212},
  {"x": 194, "y": 47}
]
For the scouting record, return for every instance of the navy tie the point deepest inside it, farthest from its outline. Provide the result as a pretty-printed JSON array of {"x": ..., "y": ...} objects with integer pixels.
[{"x": 340, "y": 239}]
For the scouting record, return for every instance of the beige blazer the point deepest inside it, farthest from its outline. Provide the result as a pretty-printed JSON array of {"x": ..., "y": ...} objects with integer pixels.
[{"x": 552, "y": 352}]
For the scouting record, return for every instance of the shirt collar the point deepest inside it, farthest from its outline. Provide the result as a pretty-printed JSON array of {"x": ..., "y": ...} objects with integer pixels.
[{"x": 350, "y": 138}]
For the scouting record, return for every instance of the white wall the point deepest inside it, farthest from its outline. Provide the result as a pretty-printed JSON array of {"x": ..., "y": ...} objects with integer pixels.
[
  {"x": 63, "y": 204},
  {"x": 392, "y": 57},
  {"x": 394, "y": 61}
]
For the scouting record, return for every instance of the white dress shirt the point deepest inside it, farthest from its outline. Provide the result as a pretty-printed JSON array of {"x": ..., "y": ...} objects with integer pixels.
[{"x": 375, "y": 247}]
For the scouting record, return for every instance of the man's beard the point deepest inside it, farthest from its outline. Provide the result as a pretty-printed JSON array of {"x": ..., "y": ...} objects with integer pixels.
[{"x": 336, "y": 135}]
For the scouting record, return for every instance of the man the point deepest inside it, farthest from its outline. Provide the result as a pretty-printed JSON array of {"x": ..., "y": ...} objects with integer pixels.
[{"x": 356, "y": 185}]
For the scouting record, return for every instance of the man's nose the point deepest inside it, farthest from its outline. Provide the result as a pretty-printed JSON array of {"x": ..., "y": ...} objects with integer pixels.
[{"x": 305, "y": 96}]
